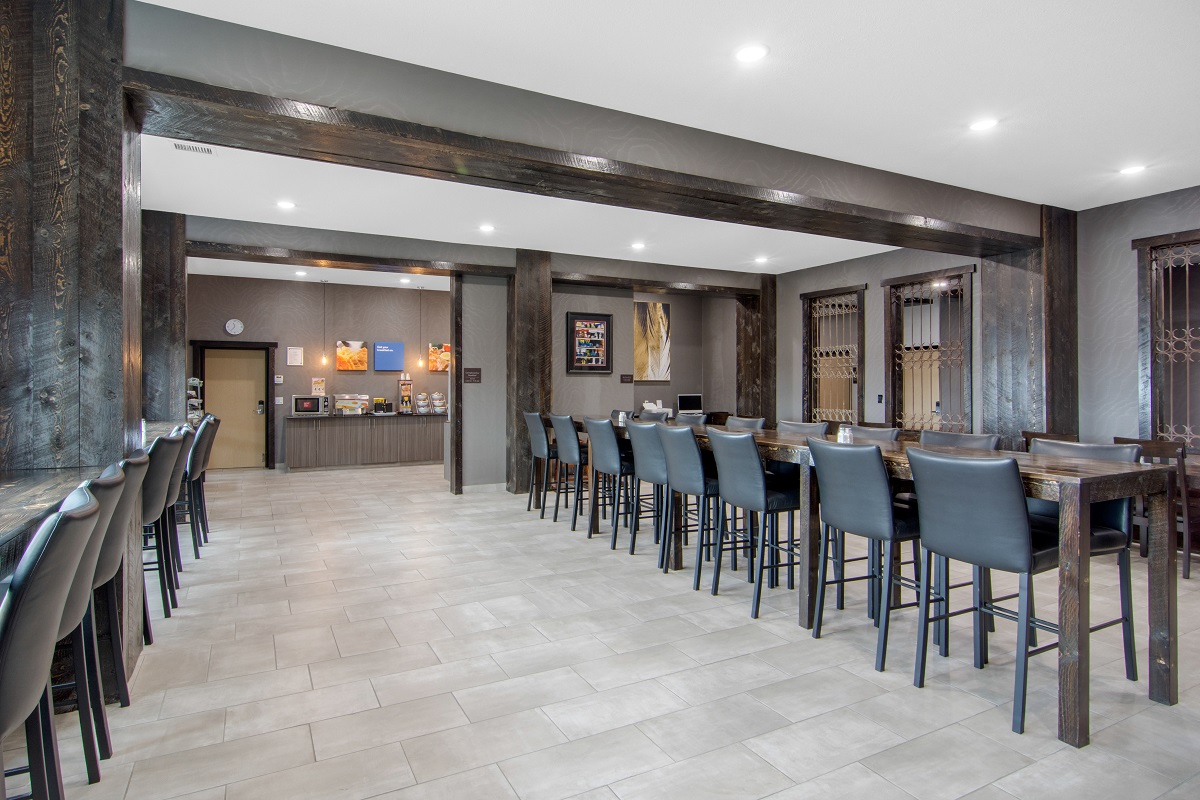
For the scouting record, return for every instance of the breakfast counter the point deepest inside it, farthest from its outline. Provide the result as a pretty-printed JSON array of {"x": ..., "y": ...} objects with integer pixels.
[{"x": 332, "y": 441}]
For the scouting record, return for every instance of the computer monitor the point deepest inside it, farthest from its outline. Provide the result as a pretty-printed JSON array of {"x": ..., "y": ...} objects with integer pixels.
[{"x": 690, "y": 402}]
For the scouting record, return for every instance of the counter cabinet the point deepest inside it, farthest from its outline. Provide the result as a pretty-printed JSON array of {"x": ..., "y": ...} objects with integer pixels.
[{"x": 359, "y": 441}]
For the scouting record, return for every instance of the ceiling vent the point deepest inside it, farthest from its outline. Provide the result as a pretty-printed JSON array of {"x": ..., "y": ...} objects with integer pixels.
[{"x": 194, "y": 148}]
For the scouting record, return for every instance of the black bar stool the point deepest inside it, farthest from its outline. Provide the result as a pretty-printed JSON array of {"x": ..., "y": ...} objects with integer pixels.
[
  {"x": 30, "y": 613},
  {"x": 745, "y": 423},
  {"x": 744, "y": 485},
  {"x": 652, "y": 416},
  {"x": 174, "y": 486},
  {"x": 540, "y": 449},
  {"x": 76, "y": 626},
  {"x": 571, "y": 456},
  {"x": 110, "y": 561},
  {"x": 803, "y": 428},
  {"x": 649, "y": 466},
  {"x": 615, "y": 466},
  {"x": 692, "y": 418},
  {"x": 688, "y": 474},
  {"x": 865, "y": 433},
  {"x": 192, "y": 490},
  {"x": 163, "y": 453},
  {"x": 857, "y": 498}
]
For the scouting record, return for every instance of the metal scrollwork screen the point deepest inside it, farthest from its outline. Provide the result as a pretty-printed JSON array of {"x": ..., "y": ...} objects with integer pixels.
[
  {"x": 1176, "y": 331},
  {"x": 931, "y": 353},
  {"x": 834, "y": 358}
]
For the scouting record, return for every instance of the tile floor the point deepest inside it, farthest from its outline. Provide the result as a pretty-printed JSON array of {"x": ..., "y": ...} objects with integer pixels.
[{"x": 364, "y": 634}]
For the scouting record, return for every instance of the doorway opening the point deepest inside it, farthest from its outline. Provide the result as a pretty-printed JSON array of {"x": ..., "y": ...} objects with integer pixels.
[{"x": 236, "y": 387}]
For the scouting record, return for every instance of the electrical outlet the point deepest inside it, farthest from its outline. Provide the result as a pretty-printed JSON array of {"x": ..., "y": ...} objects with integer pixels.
[
  {"x": 278, "y": 400},
  {"x": 278, "y": 379}
]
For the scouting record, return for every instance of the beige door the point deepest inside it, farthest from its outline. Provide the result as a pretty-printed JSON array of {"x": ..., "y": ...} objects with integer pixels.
[{"x": 235, "y": 390}]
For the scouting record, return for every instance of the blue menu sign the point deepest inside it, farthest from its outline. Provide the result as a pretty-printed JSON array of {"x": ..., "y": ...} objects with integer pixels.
[{"x": 389, "y": 356}]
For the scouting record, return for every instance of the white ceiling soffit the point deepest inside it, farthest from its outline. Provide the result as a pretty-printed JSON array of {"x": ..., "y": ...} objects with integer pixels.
[
  {"x": 287, "y": 272},
  {"x": 244, "y": 185},
  {"x": 1081, "y": 88}
]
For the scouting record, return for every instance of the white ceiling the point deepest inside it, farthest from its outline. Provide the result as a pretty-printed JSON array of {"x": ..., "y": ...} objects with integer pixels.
[
  {"x": 285, "y": 272},
  {"x": 244, "y": 185},
  {"x": 1082, "y": 88}
]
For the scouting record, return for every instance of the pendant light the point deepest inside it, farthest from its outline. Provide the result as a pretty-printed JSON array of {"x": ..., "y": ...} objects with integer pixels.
[
  {"x": 324, "y": 331},
  {"x": 422, "y": 344}
]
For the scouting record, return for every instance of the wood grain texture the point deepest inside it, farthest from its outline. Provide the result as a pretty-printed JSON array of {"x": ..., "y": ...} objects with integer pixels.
[
  {"x": 1013, "y": 366},
  {"x": 323, "y": 442},
  {"x": 1147, "y": 393},
  {"x": 748, "y": 334},
  {"x": 1061, "y": 314},
  {"x": 768, "y": 359},
  {"x": 650, "y": 286},
  {"x": 164, "y": 317},
  {"x": 1074, "y": 606},
  {"x": 323, "y": 260},
  {"x": 529, "y": 357},
  {"x": 184, "y": 109},
  {"x": 1163, "y": 602},
  {"x": 456, "y": 385},
  {"x": 1179, "y": 237}
]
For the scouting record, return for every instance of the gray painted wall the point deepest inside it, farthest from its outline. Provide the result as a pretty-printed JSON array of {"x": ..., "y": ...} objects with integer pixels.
[
  {"x": 289, "y": 312},
  {"x": 719, "y": 323},
  {"x": 687, "y": 350},
  {"x": 220, "y": 53},
  {"x": 485, "y": 326},
  {"x": 869, "y": 270},
  {"x": 591, "y": 394},
  {"x": 1108, "y": 335}
]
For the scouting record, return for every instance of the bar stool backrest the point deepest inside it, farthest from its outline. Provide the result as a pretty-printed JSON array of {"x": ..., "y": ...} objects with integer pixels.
[
  {"x": 689, "y": 418},
  {"x": 1115, "y": 514},
  {"x": 107, "y": 489},
  {"x": 163, "y": 452},
  {"x": 685, "y": 470},
  {"x": 197, "y": 454},
  {"x": 745, "y": 424},
  {"x": 606, "y": 455},
  {"x": 539, "y": 442},
  {"x": 181, "y": 459},
  {"x": 972, "y": 509},
  {"x": 803, "y": 428},
  {"x": 652, "y": 416},
  {"x": 112, "y": 550},
  {"x": 566, "y": 439},
  {"x": 649, "y": 460},
  {"x": 855, "y": 494},
  {"x": 964, "y": 441},
  {"x": 215, "y": 422},
  {"x": 863, "y": 433},
  {"x": 33, "y": 606},
  {"x": 743, "y": 482}
]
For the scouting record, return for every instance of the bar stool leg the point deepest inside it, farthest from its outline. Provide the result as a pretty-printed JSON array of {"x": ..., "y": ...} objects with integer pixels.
[
  {"x": 95, "y": 689},
  {"x": 885, "y": 603},
  {"x": 194, "y": 518},
  {"x": 39, "y": 784},
  {"x": 147, "y": 630},
  {"x": 756, "y": 597},
  {"x": 1124, "y": 570},
  {"x": 49, "y": 746},
  {"x": 532, "y": 483},
  {"x": 91, "y": 757},
  {"x": 1021, "y": 683},
  {"x": 115, "y": 640},
  {"x": 922, "y": 620},
  {"x": 822, "y": 577},
  {"x": 578, "y": 495}
]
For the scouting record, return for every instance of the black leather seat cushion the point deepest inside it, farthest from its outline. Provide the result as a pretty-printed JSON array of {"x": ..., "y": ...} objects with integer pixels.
[
  {"x": 904, "y": 520},
  {"x": 783, "y": 501},
  {"x": 1104, "y": 540}
]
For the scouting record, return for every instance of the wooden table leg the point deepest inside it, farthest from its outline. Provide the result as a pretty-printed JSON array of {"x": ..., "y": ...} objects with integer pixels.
[
  {"x": 1164, "y": 620},
  {"x": 1074, "y": 617},
  {"x": 808, "y": 529}
]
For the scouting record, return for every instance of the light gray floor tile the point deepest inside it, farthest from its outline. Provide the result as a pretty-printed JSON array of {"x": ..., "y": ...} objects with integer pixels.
[
  {"x": 851, "y": 782},
  {"x": 615, "y": 708},
  {"x": 827, "y": 742},
  {"x": 649, "y": 634},
  {"x": 459, "y": 749},
  {"x": 1087, "y": 772},
  {"x": 277, "y": 713},
  {"x": 542, "y": 657},
  {"x": 913, "y": 712},
  {"x": 714, "y": 681},
  {"x": 505, "y": 697},
  {"x": 815, "y": 693},
  {"x": 728, "y": 643},
  {"x": 965, "y": 761},
  {"x": 484, "y": 783},
  {"x": 235, "y": 691},
  {"x": 367, "y": 773},
  {"x": 371, "y": 665},
  {"x": 711, "y": 726},
  {"x": 585, "y": 764},
  {"x": 394, "y": 723},
  {"x": 305, "y": 646},
  {"x": 367, "y": 636},
  {"x": 733, "y": 773},
  {"x": 639, "y": 665}
]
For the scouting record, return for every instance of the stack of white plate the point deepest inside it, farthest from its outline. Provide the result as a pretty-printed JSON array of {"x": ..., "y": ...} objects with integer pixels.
[{"x": 439, "y": 402}]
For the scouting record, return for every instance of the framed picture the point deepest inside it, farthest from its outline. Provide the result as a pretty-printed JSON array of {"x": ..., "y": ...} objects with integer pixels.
[
  {"x": 651, "y": 341},
  {"x": 439, "y": 356},
  {"x": 589, "y": 342},
  {"x": 351, "y": 355}
]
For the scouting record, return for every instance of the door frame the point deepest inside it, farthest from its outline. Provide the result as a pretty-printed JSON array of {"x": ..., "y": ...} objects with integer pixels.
[{"x": 201, "y": 346}]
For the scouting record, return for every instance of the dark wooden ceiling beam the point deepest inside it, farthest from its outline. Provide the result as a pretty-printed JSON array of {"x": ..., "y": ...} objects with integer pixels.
[
  {"x": 310, "y": 258},
  {"x": 192, "y": 111},
  {"x": 648, "y": 286}
]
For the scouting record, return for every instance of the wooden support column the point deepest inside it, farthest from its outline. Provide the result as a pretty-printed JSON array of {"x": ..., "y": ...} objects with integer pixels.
[
  {"x": 164, "y": 316},
  {"x": 70, "y": 253},
  {"x": 1060, "y": 277},
  {"x": 756, "y": 348},
  {"x": 1013, "y": 365},
  {"x": 529, "y": 355},
  {"x": 456, "y": 386}
]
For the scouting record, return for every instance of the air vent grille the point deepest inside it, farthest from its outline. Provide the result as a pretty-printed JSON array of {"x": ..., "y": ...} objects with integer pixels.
[{"x": 194, "y": 148}]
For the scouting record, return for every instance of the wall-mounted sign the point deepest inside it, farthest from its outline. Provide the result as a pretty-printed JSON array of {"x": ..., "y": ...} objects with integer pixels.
[
  {"x": 472, "y": 374},
  {"x": 389, "y": 356},
  {"x": 626, "y": 377},
  {"x": 295, "y": 356}
]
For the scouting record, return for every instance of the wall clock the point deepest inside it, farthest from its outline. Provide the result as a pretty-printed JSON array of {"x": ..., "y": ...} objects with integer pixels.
[{"x": 234, "y": 326}]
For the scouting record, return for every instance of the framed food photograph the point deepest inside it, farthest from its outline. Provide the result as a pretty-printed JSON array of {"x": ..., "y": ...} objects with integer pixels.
[
  {"x": 589, "y": 342},
  {"x": 351, "y": 355},
  {"x": 439, "y": 357}
]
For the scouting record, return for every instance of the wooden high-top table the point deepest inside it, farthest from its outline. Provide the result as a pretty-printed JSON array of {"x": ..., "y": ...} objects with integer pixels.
[{"x": 1075, "y": 484}]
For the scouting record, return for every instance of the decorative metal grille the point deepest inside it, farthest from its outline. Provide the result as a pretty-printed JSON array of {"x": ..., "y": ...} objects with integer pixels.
[
  {"x": 1176, "y": 331},
  {"x": 931, "y": 355},
  {"x": 833, "y": 379}
]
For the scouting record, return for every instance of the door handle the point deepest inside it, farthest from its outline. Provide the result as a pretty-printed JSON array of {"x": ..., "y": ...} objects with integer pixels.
[{"x": 262, "y": 407}]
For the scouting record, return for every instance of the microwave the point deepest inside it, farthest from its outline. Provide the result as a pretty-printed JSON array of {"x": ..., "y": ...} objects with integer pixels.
[{"x": 310, "y": 405}]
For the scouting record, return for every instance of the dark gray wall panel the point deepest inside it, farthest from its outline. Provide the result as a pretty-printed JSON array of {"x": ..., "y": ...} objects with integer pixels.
[
  {"x": 1108, "y": 328},
  {"x": 718, "y": 323},
  {"x": 869, "y": 270},
  {"x": 289, "y": 312},
  {"x": 687, "y": 350},
  {"x": 174, "y": 43},
  {"x": 592, "y": 395},
  {"x": 485, "y": 322},
  {"x": 164, "y": 316}
]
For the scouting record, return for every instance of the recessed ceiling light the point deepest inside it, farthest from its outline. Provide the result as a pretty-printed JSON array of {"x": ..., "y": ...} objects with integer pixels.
[
  {"x": 1136, "y": 168},
  {"x": 638, "y": 245},
  {"x": 486, "y": 228},
  {"x": 750, "y": 53},
  {"x": 406, "y": 280},
  {"x": 983, "y": 124},
  {"x": 286, "y": 205},
  {"x": 760, "y": 260},
  {"x": 301, "y": 273}
]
